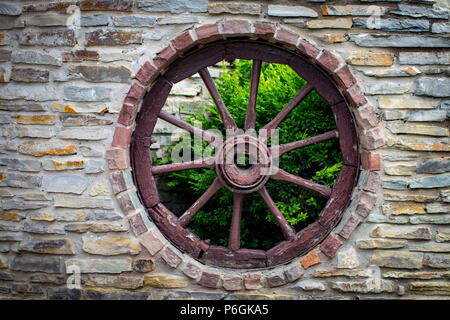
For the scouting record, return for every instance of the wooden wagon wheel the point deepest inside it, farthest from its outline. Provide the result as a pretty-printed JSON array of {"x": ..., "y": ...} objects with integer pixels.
[{"x": 252, "y": 179}]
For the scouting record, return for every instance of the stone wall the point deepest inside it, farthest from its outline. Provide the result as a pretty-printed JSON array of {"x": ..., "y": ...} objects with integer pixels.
[{"x": 73, "y": 74}]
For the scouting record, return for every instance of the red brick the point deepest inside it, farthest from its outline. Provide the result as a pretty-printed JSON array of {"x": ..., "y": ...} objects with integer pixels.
[
  {"x": 153, "y": 241},
  {"x": 137, "y": 223},
  {"x": 372, "y": 139},
  {"x": 207, "y": 33},
  {"x": 275, "y": 279},
  {"x": 366, "y": 117},
  {"x": 373, "y": 182},
  {"x": 236, "y": 27},
  {"x": 310, "y": 259},
  {"x": 210, "y": 279},
  {"x": 328, "y": 61},
  {"x": 118, "y": 183},
  {"x": 127, "y": 114},
  {"x": 308, "y": 49},
  {"x": 370, "y": 161},
  {"x": 287, "y": 37},
  {"x": 146, "y": 74},
  {"x": 366, "y": 203},
  {"x": 330, "y": 246},
  {"x": 293, "y": 272},
  {"x": 345, "y": 77},
  {"x": 165, "y": 57},
  {"x": 252, "y": 280},
  {"x": 356, "y": 96},
  {"x": 135, "y": 94},
  {"x": 125, "y": 203},
  {"x": 122, "y": 137},
  {"x": 232, "y": 282},
  {"x": 171, "y": 257},
  {"x": 264, "y": 30},
  {"x": 349, "y": 226},
  {"x": 118, "y": 158},
  {"x": 183, "y": 42}
]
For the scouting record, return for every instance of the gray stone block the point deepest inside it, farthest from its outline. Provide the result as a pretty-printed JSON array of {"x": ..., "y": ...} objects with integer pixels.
[{"x": 174, "y": 6}]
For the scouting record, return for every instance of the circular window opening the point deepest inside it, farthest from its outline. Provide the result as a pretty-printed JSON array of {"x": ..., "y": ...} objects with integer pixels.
[{"x": 260, "y": 175}]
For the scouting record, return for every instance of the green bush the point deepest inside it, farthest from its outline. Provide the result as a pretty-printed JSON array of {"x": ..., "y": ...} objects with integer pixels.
[{"x": 320, "y": 163}]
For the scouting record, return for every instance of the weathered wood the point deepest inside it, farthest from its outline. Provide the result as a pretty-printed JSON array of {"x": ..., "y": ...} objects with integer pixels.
[
  {"x": 197, "y": 59},
  {"x": 225, "y": 115},
  {"x": 324, "y": 191},
  {"x": 174, "y": 167},
  {"x": 242, "y": 258},
  {"x": 250, "y": 116},
  {"x": 348, "y": 139},
  {"x": 142, "y": 164},
  {"x": 282, "y": 149},
  {"x": 340, "y": 197},
  {"x": 286, "y": 229},
  {"x": 202, "y": 134},
  {"x": 307, "y": 239},
  {"x": 197, "y": 205},
  {"x": 301, "y": 94},
  {"x": 256, "y": 50},
  {"x": 152, "y": 104},
  {"x": 182, "y": 238},
  {"x": 235, "y": 229},
  {"x": 321, "y": 83}
]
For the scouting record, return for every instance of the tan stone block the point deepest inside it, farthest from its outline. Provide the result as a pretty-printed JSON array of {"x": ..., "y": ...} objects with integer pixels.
[
  {"x": 423, "y": 275},
  {"x": 402, "y": 169},
  {"x": 39, "y": 149},
  {"x": 409, "y": 209},
  {"x": 401, "y": 232},
  {"x": 406, "y": 102},
  {"x": 11, "y": 216},
  {"x": 164, "y": 281},
  {"x": 420, "y": 129},
  {"x": 434, "y": 288},
  {"x": 43, "y": 216},
  {"x": 339, "y": 23},
  {"x": 397, "y": 259},
  {"x": 370, "y": 59},
  {"x": 424, "y": 196},
  {"x": 334, "y": 38},
  {"x": 44, "y": 119},
  {"x": 355, "y": 273},
  {"x": 99, "y": 189},
  {"x": 422, "y": 144},
  {"x": 111, "y": 245},
  {"x": 380, "y": 244}
]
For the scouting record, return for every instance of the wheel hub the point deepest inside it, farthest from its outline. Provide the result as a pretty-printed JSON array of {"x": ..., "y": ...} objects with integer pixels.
[{"x": 243, "y": 164}]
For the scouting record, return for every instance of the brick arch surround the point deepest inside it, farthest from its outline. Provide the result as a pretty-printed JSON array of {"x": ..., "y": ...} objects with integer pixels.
[{"x": 363, "y": 199}]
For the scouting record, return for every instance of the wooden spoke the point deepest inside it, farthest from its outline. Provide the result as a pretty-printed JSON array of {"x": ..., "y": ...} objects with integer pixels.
[
  {"x": 235, "y": 230},
  {"x": 304, "y": 183},
  {"x": 225, "y": 115},
  {"x": 193, "y": 210},
  {"x": 287, "y": 230},
  {"x": 174, "y": 167},
  {"x": 282, "y": 149},
  {"x": 202, "y": 134},
  {"x": 303, "y": 92},
  {"x": 250, "y": 117}
]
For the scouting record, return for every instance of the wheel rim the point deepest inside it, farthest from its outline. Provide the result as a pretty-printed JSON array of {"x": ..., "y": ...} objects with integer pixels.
[{"x": 244, "y": 180}]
